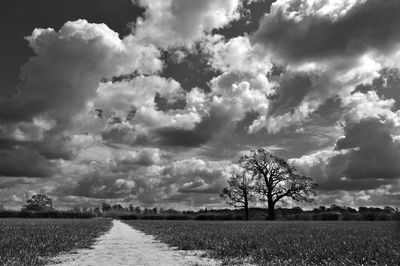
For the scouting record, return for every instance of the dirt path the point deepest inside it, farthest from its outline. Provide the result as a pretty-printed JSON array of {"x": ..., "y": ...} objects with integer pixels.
[{"x": 123, "y": 245}]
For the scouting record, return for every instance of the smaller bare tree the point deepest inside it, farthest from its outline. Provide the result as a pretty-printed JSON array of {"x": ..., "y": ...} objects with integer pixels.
[{"x": 239, "y": 192}]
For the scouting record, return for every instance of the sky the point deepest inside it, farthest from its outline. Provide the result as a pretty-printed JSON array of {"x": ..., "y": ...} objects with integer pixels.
[{"x": 150, "y": 102}]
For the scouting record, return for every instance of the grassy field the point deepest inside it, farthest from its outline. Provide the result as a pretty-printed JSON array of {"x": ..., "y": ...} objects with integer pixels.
[
  {"x": 284, "y": 243},
  {"x": 30, "y": 241}
]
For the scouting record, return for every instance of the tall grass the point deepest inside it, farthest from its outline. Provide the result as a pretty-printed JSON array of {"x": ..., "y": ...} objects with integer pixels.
[
  {"x": 30, "y": 241},
  {"x": 284, "y": 243}
]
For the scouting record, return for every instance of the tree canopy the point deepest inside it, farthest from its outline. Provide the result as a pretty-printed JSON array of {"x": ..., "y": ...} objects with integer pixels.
[
  {"x": 39, "y": 202},
  {"x": 276, "y": 179}
]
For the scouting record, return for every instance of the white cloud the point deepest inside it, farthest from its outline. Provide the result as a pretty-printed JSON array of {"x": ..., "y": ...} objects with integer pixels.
[
  {"x": 69, "y": 64},
  {"x": 236, "y": 54},
  {"x": 181, "y": 22},
  {"x": 118, "y": 98}
]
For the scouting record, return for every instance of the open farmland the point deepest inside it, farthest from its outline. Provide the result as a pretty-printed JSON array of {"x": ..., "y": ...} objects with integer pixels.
[
  {"x": 30, "y": 241},
  {"x": 284, "y": 243}
]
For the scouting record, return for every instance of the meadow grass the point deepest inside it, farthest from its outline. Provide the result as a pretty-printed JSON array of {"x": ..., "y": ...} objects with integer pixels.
[
  {"x": 283, "y": 243},
  {"x": 30, "y": 241}
]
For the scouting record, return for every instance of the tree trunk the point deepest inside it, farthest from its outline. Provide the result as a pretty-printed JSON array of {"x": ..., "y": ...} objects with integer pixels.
[
  {"x": 271, "y": 209},
  {"x": 246, "y": 207}
]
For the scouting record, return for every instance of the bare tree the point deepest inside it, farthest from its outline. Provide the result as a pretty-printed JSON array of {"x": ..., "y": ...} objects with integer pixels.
[
  {"x": 276, "y": 180},
  {"x": 239, "y": 192}
]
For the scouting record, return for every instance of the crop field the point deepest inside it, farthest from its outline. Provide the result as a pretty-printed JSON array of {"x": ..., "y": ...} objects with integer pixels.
[
  {"x": 30, "y": 241},
  {"x": 283, "y": 243}
]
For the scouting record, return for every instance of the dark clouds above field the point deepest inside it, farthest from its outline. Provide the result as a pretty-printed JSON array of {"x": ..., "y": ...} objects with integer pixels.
[{"x": 148, "y": 102}]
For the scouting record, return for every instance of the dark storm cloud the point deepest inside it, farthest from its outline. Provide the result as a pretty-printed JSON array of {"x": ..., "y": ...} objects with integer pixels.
[
  {"x": 24, "y": 163},
  {"x": 51, "y": 147},
  {"x": 372, "y": 25},
  {"x": 377, "y": 154},
  {"x": 12, "y": 110},
  {"x": 330, "y": 111},
  {"x": 338, "y": 178},
  {"x": 366, "y": 157},
  {"x": 97, "y": 185},
  {"x": 202, "y": 133},
  {"x": 290, "y": 93},
  {"x": 193, "y": 70},
  {"x": 55, "y": 147}
]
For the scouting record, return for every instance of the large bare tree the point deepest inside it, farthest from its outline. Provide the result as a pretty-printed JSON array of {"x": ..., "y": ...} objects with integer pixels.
[
  {"x": 276, "y": 179},
  {"x": 240, "y": 191}
]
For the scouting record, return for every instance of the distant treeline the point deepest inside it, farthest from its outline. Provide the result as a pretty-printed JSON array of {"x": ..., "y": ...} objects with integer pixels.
[
  {"x": 117, "y": 211},
  {"x": 46, "y": 214},
  {"x": 333, "y": 213}
]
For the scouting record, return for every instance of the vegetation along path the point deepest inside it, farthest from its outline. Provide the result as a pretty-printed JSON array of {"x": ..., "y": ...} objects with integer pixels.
[{"x": 123, "y": 245}]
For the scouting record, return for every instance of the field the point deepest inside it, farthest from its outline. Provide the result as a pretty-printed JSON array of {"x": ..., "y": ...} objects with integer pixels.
[
  {"x": 284, "y": 243},
  {"x": 30, "y": 241}
]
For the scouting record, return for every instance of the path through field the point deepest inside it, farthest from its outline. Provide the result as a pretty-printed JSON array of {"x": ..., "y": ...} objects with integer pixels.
[{"x": 123, "y": 245}]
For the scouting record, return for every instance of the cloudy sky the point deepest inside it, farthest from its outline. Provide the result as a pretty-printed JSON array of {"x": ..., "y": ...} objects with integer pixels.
[{"x": 147, "y": 102}]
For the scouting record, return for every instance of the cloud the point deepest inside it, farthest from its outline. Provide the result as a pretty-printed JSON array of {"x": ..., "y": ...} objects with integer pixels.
[
  {"x": 364, "y": 158},
  {"x": 204, "y": 116},
  {"x": 143, "y": 157},
  {"x": 235, "y": 55},
  {"x": 210, "y": 125},
  {"x": 302, "y": 89},
  {"x": 25, "y": 163},
  {"x": 68, "y": 66},
  {"x": 58, "y": 85},
  {"x": 386, "y": 85},
  {"x": 12, "y": 182},
  {"x": 182, "y": 182},
  {"x": 376, "y": 151},
  {"x": 97, "y": 185},
  {"x": 152, "y": 118},
  {"x": 172, "y": 23},
  {"x": 298, "y": 30},
  {"x": 119, "y": 98},
  {"x": 193, "y": 180}
]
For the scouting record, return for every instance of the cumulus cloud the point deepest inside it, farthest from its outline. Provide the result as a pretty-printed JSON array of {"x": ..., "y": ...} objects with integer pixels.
[
  {"x": 236, "y": 55},
  {"x": 301, "y": 89},
  {"x": 325, "y": 49},
  {"x": 181, "y": 22},
  {"x": 69, "y": 65},
  {"x": 120, "y": 97}
]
